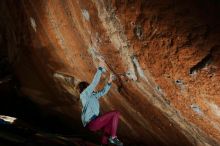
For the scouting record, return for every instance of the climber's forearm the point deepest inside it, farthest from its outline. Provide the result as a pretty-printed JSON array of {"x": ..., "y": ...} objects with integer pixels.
[
  {"x": 103, "y": 91},
  {"x": 95, "y": 81}
]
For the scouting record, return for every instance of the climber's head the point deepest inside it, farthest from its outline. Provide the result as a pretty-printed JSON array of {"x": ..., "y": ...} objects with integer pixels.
[{"x": 82, "y": 86}]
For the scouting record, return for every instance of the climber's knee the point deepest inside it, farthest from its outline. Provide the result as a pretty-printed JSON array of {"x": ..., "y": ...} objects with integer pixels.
[{"x": 116, "y": 113}]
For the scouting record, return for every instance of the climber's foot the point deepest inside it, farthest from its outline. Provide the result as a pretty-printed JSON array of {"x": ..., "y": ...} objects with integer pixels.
[{"x": 115, "y": 141}]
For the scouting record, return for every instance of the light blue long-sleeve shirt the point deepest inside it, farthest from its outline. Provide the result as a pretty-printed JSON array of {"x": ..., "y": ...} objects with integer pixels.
[{"x": 90, "y": 99}]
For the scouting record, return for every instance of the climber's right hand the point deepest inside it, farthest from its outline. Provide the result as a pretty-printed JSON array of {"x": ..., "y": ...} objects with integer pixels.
[{"x": 102, "y": 63}]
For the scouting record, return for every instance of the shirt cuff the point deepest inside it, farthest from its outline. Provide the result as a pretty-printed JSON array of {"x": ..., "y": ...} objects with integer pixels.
[{"x": 102, "y": 69}]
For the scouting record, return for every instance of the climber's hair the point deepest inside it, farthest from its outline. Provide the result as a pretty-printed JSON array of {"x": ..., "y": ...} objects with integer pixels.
[{"x": 82, "y": 86}]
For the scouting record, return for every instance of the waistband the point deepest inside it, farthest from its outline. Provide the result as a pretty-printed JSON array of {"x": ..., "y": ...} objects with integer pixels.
[{"x": 91, "y": 119}]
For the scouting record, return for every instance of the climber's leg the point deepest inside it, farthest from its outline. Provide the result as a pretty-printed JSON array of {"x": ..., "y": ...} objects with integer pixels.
[
  {"x": 106, "y": 132},
  {"x": 114, "y": 124},
  {"x": 111, "y": 128},
  {"x": 108, "y": 121}
]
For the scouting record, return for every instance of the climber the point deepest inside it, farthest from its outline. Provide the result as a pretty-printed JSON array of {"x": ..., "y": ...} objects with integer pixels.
[{"x": 91, "y": 119}]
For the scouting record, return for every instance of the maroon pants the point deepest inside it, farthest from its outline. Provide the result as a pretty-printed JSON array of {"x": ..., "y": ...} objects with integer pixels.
[{"x": 108, "y": 122}]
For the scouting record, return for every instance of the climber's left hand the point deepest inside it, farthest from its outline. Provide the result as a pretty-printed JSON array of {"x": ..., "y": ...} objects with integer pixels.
[{"x": 111, "y": 78}]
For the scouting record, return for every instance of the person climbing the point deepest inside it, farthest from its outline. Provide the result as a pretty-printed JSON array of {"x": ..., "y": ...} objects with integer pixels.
[{"x": 90, "y": 116}]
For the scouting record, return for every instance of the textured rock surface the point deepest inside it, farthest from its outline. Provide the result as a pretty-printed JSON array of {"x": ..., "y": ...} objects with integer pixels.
[{"x": 166, "y": 54}]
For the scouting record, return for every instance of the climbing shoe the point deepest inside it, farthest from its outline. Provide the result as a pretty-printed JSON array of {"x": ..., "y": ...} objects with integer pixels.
[{"x": 115, "y": 141}]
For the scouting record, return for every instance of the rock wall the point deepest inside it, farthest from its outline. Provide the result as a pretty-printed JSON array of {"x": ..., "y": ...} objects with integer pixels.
[{"x": 165, "y": 54}]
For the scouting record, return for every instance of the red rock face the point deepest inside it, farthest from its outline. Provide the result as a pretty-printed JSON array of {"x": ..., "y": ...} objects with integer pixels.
[{"x": 165, "y": 55}]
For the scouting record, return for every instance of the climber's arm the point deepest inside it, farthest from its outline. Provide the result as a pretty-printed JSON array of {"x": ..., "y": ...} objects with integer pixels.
[
  {"x": 95, "y": 81},
  {"x": 106, "y": 88},
  {"x": 103, "y": 91}
]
